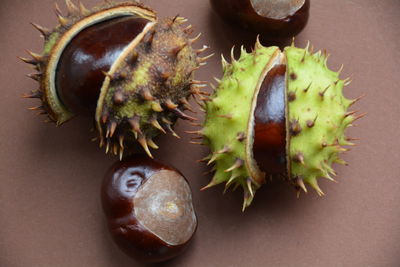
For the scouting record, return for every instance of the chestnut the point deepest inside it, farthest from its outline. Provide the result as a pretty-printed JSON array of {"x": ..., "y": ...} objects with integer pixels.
[
  {"x": 148, "y": 206},
  {"x": 120, "y": 64},
  {"x": 270, "y": 18},
  {"x": 81, "y": 68},
  {"x": 269, "y": 147}
]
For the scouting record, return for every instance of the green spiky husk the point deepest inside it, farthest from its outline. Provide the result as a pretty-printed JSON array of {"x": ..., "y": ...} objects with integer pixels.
[
  {"x": 316, "y": 118},
  {"x": 320, "y": 109},
  {"x": 227, "y": 117}
]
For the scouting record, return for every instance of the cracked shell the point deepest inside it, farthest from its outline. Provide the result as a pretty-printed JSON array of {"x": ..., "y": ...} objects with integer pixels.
[
  {"x": 144, "y": 82},
  {"x": 289, "y": 102}
]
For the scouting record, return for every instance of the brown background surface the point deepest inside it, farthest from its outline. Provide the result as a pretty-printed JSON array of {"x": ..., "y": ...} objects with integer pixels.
[{"x": 50, "y": 212}]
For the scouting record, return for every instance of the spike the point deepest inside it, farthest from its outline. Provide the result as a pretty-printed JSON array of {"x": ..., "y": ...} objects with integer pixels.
[
  {"x": 225, "y": 63},
  {"x": 63, "y": 21},
  {"x": 205, "y": 159},
  {"x": 349, "y": 113},
  {"x": 291, "y": 96},
  {"x": 121, "y": 141},
  {"x": 295, "y": 127},
  {"x": 233, "y": 54},
  {"x": 204, "y": 48},
  {"x": 33, "y": 94},
  {"x": 340, "y": 161},
  {"x": 249, "y": 187},
  {"x": 352, "y": 139},
  {"x": 72, "y": 9},
  {"x": 104, "y": 117},
  {"x": 155, "y": 106},
  {"x": 35, "y": 76},
  {"x": 224, "y": 150},
  {"x": 143, "y": 142},
  {"x": 149, "y": 37},
  {"x": 157, "y": 125},
  {"x": 191, "y": 41},
  {"x": 108, "y": 146},
  {"x": 121, "y": 153},
  {"x": 115, "y": 149},
  {"x": 35, "y": 56},
  {"x": 196, "y": 143},
  {"x": 28, "y": 60},
  {"x": 307, "y": 88},
  {"x": 300, "y": 184},
  {"x": 258, "y": 43},
  {"x": 324, "y": 91},
  {"x": 175, "y": 51},
  {"x": 211, "y": 184},
  {"x": 135, "y": 124},
  {"x": 82, "y": 9},
  {"x": 299, "y": 158},
  {"x": 36, "y": 108},
  {"x": 311, "y": 123},
  {"x": 181, "y": 20},
  {"x": 347, "y": 81},
  {"x": 182, "y": 115},
  {"x": 204, "y": 59},
  {"x": 213, "y": 158},
  {"x": 359, "y": 116},
  {"x": 119, "y": 98},
  {"x": 304, "y": 56},
  {"x": 170, "y": 105},
  {"x": 43, "y": 30},
  {"x": 151, "y": 143},
  {"x": 226, "y": 116},
  {"x": 170, "y": 130},
  {"x": 112, "y": 127},
  {"x": 195, "y": 132},
  {"x": 238, "y": 163},
  {"x": 186, "y": 104},
  {"x": 314, "y": 184},
  {"x": 188, "y": 30},
  {"x": 241, "y": 136},
  {"x": 357, "y": 99},
  {"x": 147, "y": 95}
]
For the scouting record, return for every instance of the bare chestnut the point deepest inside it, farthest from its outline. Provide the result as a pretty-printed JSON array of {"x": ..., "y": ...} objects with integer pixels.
[
  {"x": 149, "y": 209},
  {"x": 269, "y": 147},
  {"x": 80, "y": 72},
  {"x": 271, "y": 18}
]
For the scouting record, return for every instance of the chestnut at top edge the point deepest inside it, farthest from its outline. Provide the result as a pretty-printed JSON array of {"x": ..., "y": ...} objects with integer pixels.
[{"x": 265, "y": 17}]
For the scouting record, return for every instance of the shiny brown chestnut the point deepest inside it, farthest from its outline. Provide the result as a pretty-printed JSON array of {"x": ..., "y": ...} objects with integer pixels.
[
  {"x": 269, "y": 147},
  {"x": 270, "y": 18},
  {"x": 149, "y": 209},
  {"x": 80, "y": 71}
]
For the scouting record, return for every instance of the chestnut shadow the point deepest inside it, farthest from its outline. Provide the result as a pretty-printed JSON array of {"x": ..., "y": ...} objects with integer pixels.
[{"x": 226, "y": 35}]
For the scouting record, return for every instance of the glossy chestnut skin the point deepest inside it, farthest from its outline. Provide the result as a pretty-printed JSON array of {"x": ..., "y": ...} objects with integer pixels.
[
  {"x": 243, "y": 14},
  {"x": 269, "y": 147},
  {"x": 80, "y": 70},
  {"x": 122, "y": 184}
]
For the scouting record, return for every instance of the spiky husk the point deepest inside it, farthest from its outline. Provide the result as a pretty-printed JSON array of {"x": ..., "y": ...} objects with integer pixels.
[
  {"x": 225, "y": 128},
  {"x": 77, "y": 19},
  {"x": 144, "y": 95},
  {"x": 316, "y": 119},
  {"x": 146, "y": 89}
]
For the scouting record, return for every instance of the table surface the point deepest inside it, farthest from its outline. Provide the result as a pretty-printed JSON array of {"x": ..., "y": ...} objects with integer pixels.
[{"x": 50, "y": 213}]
